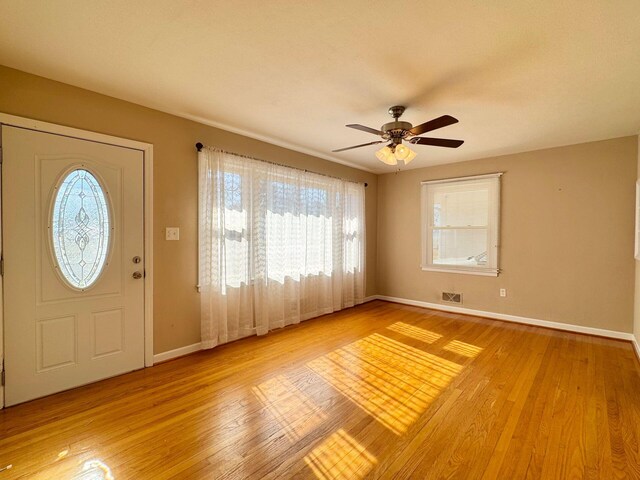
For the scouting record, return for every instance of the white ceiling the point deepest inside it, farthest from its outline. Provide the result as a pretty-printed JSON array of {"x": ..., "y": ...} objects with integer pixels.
[{"x": 519, "y": 75}]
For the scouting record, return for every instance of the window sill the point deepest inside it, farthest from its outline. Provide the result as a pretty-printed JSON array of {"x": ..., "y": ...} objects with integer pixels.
[{"x": 484, "y": 273}]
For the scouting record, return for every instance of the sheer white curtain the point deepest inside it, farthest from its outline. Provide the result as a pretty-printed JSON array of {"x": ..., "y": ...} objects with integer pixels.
[{"x": 277, "y": 245}]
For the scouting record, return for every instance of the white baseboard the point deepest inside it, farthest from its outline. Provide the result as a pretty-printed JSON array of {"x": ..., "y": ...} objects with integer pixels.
[
  {"x": 514, "y": 318},
  {"x": 370, "y": 298},
  {"x": 178, "y": 352},
  {"x": 637, "y": 347}
]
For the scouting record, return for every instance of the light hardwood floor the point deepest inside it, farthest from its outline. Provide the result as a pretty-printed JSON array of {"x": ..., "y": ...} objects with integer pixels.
[{"x": 377, "y": 391}]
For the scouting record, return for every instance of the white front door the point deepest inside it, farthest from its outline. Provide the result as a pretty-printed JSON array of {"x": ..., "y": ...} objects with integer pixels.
[{"x": 73, "y": 247}]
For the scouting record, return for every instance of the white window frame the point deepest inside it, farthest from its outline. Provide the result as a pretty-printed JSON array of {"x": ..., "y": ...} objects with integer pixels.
[{"x": 492, "y": 269}]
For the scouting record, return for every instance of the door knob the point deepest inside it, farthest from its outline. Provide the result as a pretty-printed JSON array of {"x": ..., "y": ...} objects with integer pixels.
[{"x": 137, "y": 275}]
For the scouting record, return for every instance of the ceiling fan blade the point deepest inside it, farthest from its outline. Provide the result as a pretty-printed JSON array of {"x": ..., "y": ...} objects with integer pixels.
[
  {"x": 434, "y": 124},
  {"x": 364, "y": 129},
  {"x": 358, "y": 146},
  {"x": 437, "y": 142}
]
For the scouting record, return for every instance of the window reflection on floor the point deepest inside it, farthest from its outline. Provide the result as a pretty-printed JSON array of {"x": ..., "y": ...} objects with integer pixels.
[
  {"x": 340, "y": 456},
  {"x": 293, "y": 409},
  {"x": 412, "y": 331},
  {"x": 461, "y": 348},
  {"x": 391, "y": 381}
]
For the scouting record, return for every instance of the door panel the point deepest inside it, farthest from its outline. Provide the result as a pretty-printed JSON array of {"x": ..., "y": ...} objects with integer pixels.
[{"x": 63, "y": 333}]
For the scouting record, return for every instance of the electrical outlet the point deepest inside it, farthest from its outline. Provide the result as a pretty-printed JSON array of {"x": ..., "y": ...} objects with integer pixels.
[
  {"x": 503, "y": 292},
  {"x": 172, "y": 233}
]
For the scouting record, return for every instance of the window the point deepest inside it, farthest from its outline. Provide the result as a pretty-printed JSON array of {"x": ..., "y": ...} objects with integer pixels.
[
  {"x": 287, "y": 220},
  {"x": 277, "y": 245},
  {"x": 79, "y": 228},
  {"x": 460, "y": 221}
]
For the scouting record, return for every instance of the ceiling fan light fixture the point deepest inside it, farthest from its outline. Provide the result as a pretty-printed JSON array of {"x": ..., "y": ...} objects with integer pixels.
[
  {"x": 410, "y": 157},
  {"x": 396, "y": 132},
  {"x": 402, "y": 152},
  {"x": 385, "y": 155}
]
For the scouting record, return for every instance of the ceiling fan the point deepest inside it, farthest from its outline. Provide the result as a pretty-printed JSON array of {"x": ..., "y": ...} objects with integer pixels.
[{"x": 396, "y": 132}]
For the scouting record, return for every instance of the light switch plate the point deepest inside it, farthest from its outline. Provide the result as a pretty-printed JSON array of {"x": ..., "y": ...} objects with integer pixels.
[{"x": 173, "y": 233}]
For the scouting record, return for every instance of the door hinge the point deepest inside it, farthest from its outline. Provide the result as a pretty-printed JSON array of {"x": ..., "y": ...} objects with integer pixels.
[{"x": 2, "y": 378}]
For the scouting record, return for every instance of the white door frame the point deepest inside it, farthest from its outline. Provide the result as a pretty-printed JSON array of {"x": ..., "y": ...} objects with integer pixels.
[{"x": 147, "y": 151}]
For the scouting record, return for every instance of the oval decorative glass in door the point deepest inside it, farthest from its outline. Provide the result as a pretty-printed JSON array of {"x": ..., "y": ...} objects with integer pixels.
[{"x": 80, "y": 228}]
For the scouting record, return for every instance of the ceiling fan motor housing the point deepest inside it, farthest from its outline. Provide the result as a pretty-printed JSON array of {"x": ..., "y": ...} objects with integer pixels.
[{"x": 396, "y": 131}]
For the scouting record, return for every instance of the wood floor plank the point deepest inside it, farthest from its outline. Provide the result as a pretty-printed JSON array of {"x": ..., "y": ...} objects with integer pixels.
[
  {"x": 377, "y": 391},
  {"x": 516, "y": 400}
]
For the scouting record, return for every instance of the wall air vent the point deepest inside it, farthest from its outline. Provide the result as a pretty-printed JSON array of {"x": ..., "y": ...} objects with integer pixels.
[{"x": 451, "y": 297}]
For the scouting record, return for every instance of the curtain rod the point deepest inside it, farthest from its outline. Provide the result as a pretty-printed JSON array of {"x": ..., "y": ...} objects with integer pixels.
[
  {"x": 200, "y": 146},
  {"x": 461, "y": 179}
]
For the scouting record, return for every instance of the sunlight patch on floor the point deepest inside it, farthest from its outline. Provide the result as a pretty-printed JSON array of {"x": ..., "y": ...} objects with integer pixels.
[
  {"x": 95, "y": 470},
  {"x": 391, "y": 381},
  {"x": 296, "y": 413},
  {"x": 412, "y": 331},
  {"x": 461, "y": 348},
  {"x": 340, "y": 457}
]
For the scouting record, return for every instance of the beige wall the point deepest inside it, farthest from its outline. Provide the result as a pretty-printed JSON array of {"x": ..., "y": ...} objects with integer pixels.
[
  {"x": 636, "y": 311},
  {"x": 176, "y": 302},
  {"x": 566, "y": 235},
  {"x": 567, "y": 216}
]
